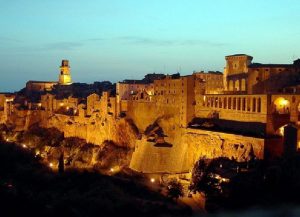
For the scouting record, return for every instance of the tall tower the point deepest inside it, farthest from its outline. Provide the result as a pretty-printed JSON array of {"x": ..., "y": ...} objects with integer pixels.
[{"x": 65, "y": 75}]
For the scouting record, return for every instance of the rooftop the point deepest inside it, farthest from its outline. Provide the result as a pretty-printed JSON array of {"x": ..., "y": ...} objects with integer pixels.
[
  {"x": 260, "y": 65},
  {"x": 53, "y": 82}
]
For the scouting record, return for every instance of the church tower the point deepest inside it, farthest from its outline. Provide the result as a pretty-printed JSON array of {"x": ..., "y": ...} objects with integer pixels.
[{"x": 65, "y": 75}]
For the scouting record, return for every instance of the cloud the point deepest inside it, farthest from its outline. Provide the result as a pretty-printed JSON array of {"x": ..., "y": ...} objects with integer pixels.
[
  {"x": 169, "y": 42},
  {"x": 96, "y": 39},
  {"x": 8, "y": 39},
  {"x": 63, "y": 45},
  {"x": 146, "y": 41}
]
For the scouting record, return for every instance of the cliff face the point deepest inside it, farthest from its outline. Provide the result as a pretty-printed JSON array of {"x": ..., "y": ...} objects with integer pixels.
[
  {"x": 93, "y": 129},
  {"x": 157, "y": 146}
]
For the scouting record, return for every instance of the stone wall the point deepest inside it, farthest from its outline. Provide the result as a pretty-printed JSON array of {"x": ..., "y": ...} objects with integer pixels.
[{"x": 188, "y": 145}]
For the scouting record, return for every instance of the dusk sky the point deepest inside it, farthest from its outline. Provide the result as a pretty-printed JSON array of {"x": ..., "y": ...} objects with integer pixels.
[{"x": 126, "y": 39}]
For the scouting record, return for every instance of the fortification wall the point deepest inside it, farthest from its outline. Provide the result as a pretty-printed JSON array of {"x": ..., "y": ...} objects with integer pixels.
[
  {"x": 148, "y": 158},
  {"x": 202, "y": 143},
  {"x": 143, "y": 113},
  {"x": 188, "y": 146}
]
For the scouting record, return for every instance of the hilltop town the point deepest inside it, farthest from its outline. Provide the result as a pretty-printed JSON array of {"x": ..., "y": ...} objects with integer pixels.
[{"x": 171, "y": 121}]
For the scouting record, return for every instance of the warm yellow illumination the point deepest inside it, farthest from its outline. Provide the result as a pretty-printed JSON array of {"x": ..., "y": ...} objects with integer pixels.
[
  {"x": 112, "y": 170},
  {"x": 24, "y": 146},
  {"x": 7, "y": 140},
  {"x": 283, "y": 102},
  {"x": 152, "y": 180},
  {"x": 68, "y": 108},
  {"x": 281, "y": 131},
  {"x": 51, "y": 165},
  {"x": 61, "y": 104}
]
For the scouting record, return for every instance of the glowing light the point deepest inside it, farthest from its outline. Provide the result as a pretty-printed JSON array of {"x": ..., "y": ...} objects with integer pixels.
[
  {"x": 61, "y": 104},
  {"x": 68, "y": 108},
  {"x": 281, "y": 131},
  {"x": 112, "y": 170},
  {"x": 50, "y": 164},
  {"x": 284, "y": 102},
  {"x": 152, "y": 180},
  {"x": 24, "y": 146},
  {"x": 7, "y": 140}
]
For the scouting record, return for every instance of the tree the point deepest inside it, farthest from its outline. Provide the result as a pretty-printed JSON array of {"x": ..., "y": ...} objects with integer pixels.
[
  {"x": 198, "y": 175},
  {"x": 175, "y": 189},
  {"x": 61, "y": 164}
]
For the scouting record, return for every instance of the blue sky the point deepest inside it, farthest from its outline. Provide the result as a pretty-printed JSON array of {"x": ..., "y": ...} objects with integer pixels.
[{"x": 118, "y": 39}]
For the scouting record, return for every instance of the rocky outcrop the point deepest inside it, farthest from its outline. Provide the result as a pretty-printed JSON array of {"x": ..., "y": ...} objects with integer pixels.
[{"x": 161, "y": 146}]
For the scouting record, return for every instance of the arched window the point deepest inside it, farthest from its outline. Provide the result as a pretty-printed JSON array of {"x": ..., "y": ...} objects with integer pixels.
[
  {"x": 237, "y": 85},
  {"x": 243, "y": 85},
  {"x": 230, "y": 85}
]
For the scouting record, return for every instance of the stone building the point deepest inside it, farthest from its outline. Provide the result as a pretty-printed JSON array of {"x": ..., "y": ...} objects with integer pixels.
[
  {"x": 178, "y": 119},
  {"x": 65, "y": 75}
]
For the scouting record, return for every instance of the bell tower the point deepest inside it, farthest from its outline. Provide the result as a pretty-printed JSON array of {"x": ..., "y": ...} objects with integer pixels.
[{"x": 65, "y": 75}]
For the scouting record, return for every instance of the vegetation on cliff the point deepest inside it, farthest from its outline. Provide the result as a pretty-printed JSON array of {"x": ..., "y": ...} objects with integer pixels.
[
  {"x": 27, "y": 188},
  {"x": 50, "y": 144}
]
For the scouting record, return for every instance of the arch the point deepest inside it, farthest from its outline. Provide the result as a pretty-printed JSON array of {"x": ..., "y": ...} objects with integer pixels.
[
  {"x": 282, "y": 106},
  {"x": 230, "y": 85},
  {"x": 243, "y": 84},
  {"x": 237, "y": 85}
]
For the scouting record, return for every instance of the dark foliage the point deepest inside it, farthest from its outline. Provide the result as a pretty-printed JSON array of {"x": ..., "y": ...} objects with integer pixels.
[
  {"x": 27, "y": 188},
  {"x": 175, "y": 189}
]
